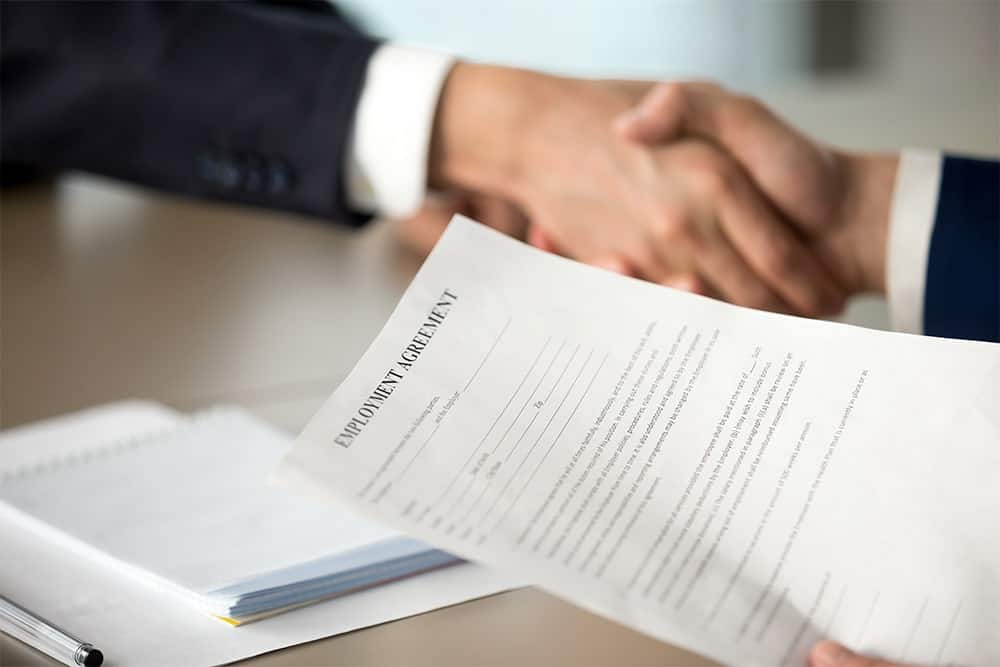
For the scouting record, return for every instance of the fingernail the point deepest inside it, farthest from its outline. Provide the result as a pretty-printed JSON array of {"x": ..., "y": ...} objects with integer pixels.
[
  {"x": 828, "y": 654},
  {"x": 612, "y": 264},
  {"x": 682, "y": 282}
]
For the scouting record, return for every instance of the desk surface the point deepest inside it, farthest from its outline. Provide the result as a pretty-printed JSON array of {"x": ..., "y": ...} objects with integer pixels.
[{"x": 110, "y": 292}]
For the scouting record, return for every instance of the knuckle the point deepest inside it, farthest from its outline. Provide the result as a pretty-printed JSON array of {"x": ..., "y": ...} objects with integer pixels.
[
  {"x": 810, "y": 305},
  {"x": 673, "y": 91},
  {"x": 780, "y": 259},
  {"x": 668, "y": 100},
  {"x": 742, "y": 290},
  {"x": 759, "y": 297},
  {"x": 747, "y": 106},
  {"x": 713, "y": 176},
  {"x": 672, "y": 225},
  {"x": 741, "y": 113}
]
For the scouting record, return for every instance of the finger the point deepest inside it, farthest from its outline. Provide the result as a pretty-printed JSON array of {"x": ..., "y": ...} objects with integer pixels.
[
  {"x": 615, "y": 264},
  {"x": 541, "y": 239},
  {"x": 798, "y": 175},
  {"x": 687, "y": 282},
  {"x": 732, "y": 277},
  {"x": 659, "y": 117},
  {"x": 832, "y": 654},
  {"x": 500, "y": 214},
  {"x": 420, "y": 231},
  {"x": 775, "y": 253},
  {"x": 642, "y": 262},
  {"x": 642, "y": 265},
  {"x": 668, "y": 252},
  {"x": 688, "y": 240},
  {"x": 691, "y": 282},
  {"x": 651, "y": 263}
]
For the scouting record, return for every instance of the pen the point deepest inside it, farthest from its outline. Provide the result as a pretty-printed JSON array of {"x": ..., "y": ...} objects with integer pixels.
[{"x": 38, "y": 633}]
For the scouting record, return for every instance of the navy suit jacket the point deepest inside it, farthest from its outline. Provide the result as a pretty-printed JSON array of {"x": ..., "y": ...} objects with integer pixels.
[
  {"x": 243, "y": 102},
  {"x": 962, "y": 293}
]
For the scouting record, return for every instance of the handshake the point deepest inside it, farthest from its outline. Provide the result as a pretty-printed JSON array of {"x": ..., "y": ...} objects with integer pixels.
[{"x": 683, "y": 184}]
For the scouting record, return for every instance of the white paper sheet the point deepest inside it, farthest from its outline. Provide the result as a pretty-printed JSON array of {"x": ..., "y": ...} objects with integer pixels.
[
  {"x": 737, "y": 482},
  {"x": 134, "y": 624}
]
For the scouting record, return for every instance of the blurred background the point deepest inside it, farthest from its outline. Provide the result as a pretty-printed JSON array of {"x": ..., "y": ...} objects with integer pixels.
[{"x": 745, "y": 43}]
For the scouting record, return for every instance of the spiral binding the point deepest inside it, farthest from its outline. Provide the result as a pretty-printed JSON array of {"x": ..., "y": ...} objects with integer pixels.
[{"x": 106, "y": 450}]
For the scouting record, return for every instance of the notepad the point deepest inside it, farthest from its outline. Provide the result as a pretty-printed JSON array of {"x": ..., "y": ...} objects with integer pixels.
[{"x": 187, "y": 509}]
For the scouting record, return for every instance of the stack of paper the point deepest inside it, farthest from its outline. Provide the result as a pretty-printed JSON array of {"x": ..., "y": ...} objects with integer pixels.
[{"x": 188, "y": 511}]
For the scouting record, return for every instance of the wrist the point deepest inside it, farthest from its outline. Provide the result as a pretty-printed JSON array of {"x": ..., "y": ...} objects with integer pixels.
[
  {"x": 869, "y": 181},
  {"x": 474, "y": 142}
]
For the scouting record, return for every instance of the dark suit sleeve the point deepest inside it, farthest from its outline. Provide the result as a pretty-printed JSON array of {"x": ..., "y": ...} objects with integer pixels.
[
  {"x": 962, "y": 294},
  {"x": 233, "y": 101}
]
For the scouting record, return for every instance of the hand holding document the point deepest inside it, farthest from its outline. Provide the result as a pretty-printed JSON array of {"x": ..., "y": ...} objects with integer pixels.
[{"x": 738, "y": 482}]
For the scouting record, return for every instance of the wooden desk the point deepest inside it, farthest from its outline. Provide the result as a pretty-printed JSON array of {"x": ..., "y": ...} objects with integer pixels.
[{"x": 110, "y": 292}]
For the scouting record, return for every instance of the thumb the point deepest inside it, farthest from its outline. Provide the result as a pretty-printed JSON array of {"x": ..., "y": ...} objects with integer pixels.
[
  {"x": 658, "y": 117},
  {"x": 803, "y": 179},
  {"x": 832, "y": 654}
]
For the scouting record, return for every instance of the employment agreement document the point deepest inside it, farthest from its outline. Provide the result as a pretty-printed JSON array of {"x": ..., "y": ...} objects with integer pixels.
[{"x": 737, "y": 482}]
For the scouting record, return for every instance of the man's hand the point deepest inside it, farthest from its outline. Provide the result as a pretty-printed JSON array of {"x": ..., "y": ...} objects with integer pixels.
[
  {"x": 420, "y": 231},
  {"x": 832, "y": 654},
  {"x": 679, "y": 213},
  {"x": 838, "y": 201}
]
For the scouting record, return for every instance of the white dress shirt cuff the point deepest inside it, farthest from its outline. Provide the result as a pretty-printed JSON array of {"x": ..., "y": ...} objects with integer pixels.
[
  {"x": 386, "y": 171},
  {"x": 911, "y": 221}
]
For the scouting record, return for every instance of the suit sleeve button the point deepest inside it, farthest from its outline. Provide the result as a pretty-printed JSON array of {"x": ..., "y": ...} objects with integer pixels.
[
  {"x": 280, "y": 178},
  {"x": 230, "y": 175},
  {"x": 254, "y": 174}
]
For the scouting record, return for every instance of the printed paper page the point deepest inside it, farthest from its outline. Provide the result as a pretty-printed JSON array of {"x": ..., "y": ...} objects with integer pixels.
[{"x": 737, "y": 482}]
